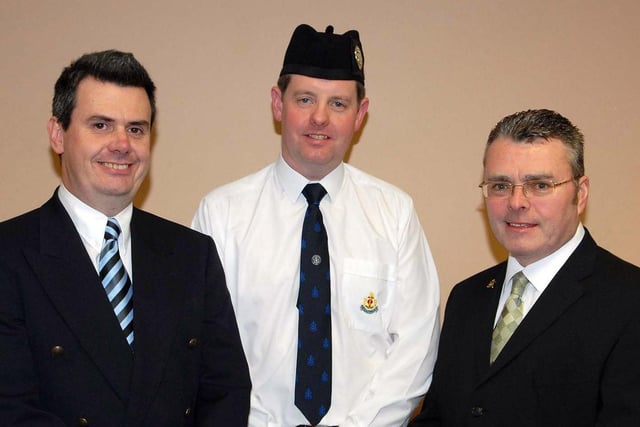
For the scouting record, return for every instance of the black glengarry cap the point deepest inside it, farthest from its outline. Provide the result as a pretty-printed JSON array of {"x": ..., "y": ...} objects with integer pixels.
[{"x": 324, "y": 55}]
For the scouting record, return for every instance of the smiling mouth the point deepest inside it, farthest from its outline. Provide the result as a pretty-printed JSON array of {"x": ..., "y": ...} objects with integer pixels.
[
  {"x": 117, "y": 166},
  {"x": 519, "y": 225},
  {"x": 317, "y": 137}
]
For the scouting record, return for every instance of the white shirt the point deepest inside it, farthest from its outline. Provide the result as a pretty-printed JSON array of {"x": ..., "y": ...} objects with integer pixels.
[
  {"x": 91, "y": 224},
  {"x": 382, "y": 360},
  {"x": 539, "y": 273}
]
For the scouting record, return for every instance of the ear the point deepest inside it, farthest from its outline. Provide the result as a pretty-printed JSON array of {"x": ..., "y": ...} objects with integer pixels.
[
  {"x": 583, "y": 193},
  {"x": 56, "y": 135},
  {"x": 276, "y": 103},
  {"x": 362, "y": 112}
]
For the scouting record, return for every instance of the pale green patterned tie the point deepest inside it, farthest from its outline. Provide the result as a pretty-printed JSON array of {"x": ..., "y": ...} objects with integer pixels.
[{"x": 510, "y": 317}]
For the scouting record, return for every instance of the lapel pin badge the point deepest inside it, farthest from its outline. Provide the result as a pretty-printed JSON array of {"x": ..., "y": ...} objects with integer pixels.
[{"x": 491, "y": 284}]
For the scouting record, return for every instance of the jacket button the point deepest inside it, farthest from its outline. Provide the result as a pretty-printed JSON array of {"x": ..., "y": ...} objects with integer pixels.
[
  {"x": 193, "y": 343},
  {"x": 477, "y": 411},
  {"x": 57, "y": 351},
  {"x": 187, "y": 412},
  {"x": 83, "y": 422}
]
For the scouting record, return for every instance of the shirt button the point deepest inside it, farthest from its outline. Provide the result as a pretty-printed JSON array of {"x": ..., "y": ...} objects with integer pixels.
[
  {"x": 477, "y": 411},
  {"x": 57, "y": 351}
]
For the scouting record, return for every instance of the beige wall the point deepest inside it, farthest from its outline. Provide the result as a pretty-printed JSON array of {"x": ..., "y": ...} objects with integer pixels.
[{"x": 439, "y": 75}]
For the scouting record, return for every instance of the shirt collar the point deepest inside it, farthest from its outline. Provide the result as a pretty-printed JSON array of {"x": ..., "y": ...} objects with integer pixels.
[
  {"x": 293, "y": 182},
  {"x": 91, "y": 223},
  {"x": 541, "y": 272}
]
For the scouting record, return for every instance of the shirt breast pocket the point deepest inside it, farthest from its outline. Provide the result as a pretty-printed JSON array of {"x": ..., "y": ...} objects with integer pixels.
[{"x": 366, "y": 293}]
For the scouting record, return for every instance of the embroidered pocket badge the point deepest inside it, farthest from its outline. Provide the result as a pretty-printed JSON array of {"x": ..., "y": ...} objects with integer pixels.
[{"x": 369, "y": 304}]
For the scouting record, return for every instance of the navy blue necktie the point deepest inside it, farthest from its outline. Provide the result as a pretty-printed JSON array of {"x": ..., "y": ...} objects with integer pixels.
[
  {"x": 313, "y": 373},
  {"x": 115, "y": 279}
]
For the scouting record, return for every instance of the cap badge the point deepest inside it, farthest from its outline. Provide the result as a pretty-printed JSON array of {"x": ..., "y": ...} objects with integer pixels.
[
  {"x": 369, "y": 304},
  {"x": 357, "y": 54}
]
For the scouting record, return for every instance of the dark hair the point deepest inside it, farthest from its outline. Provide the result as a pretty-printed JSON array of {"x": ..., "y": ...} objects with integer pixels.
[
  {"x": 284, "y": 80},
  {"x": 529, "y": 125},
  {"x": 110, "y": 66}
]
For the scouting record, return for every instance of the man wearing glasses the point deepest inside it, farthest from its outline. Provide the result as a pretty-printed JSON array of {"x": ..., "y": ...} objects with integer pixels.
[{"x": 550, "y": 337}]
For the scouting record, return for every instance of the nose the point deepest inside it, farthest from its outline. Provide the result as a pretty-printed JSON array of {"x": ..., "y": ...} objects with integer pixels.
[
  {"x": 121, "y": 141},
  {"x": 320, "y": 115},
  {"x": 517, "y": 199}
]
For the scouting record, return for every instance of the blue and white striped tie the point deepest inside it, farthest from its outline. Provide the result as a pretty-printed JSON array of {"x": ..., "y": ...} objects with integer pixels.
[{"x": 115, "y": 279}]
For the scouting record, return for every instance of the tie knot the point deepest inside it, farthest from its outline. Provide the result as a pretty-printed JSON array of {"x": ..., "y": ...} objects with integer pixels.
[
  {"x": 520, "y": 282},
  {"x": 314, "y": 193},
  {"x": 112, "y": 231}
]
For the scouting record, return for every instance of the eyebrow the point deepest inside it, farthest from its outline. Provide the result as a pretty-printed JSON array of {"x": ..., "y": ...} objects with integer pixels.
[
  {"x": 530, "y": 177},
  {"x": 100, "y": 118},
  {"x": 340, "y": 97},
  {"x": 111, "y": 120},
  {"x": 303, "y": 92},
  {"x": 143, "y": 123}
]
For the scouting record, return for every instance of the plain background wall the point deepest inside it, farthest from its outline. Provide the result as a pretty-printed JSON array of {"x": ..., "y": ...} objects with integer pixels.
[{"x": 439, "y": 75}]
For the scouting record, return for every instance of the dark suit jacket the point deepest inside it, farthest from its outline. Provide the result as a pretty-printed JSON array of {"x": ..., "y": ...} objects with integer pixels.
[
  {"x": 63, "y": 357},
  {"x": 573, "y": 361}
]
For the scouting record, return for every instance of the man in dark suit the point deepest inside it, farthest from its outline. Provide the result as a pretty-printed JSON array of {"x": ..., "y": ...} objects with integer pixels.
[
  {"x": 157, "y": 346},
  {"x": 559, "y": 344}
]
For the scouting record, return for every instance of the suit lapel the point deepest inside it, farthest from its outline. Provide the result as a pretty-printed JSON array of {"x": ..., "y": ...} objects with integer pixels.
[
  {"x": 158, "y": 295},
  {"x": 563, "y": 291},
  {"x": 486, "y": 302},
  {"x": 68, "y": 277}
]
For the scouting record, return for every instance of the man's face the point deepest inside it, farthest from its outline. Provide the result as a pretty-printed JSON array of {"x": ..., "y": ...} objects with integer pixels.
[
  {"x": 105, "y": 152},
  {"x": 319, "y": 118},
  {"x": 534, "y": 227}
]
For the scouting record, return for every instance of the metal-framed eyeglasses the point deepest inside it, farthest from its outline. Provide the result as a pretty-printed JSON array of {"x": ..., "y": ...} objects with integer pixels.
[{"x": 533, "y": 188}]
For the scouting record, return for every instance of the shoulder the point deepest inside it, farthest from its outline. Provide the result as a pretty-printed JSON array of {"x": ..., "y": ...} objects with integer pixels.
[
  {"x": 19, "y": 222},
  {"x": 375, "y": 187},
  {"x": 593, "y": 263},
  {"x": 28, "y": 224},
  {"x": 19, "y": 232},
  {"x": 239, "y": 188},
  {"x": 156, "y": 228},
  {"x": 619, "y": 275},
  {"x": 608, "y": 260}
]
